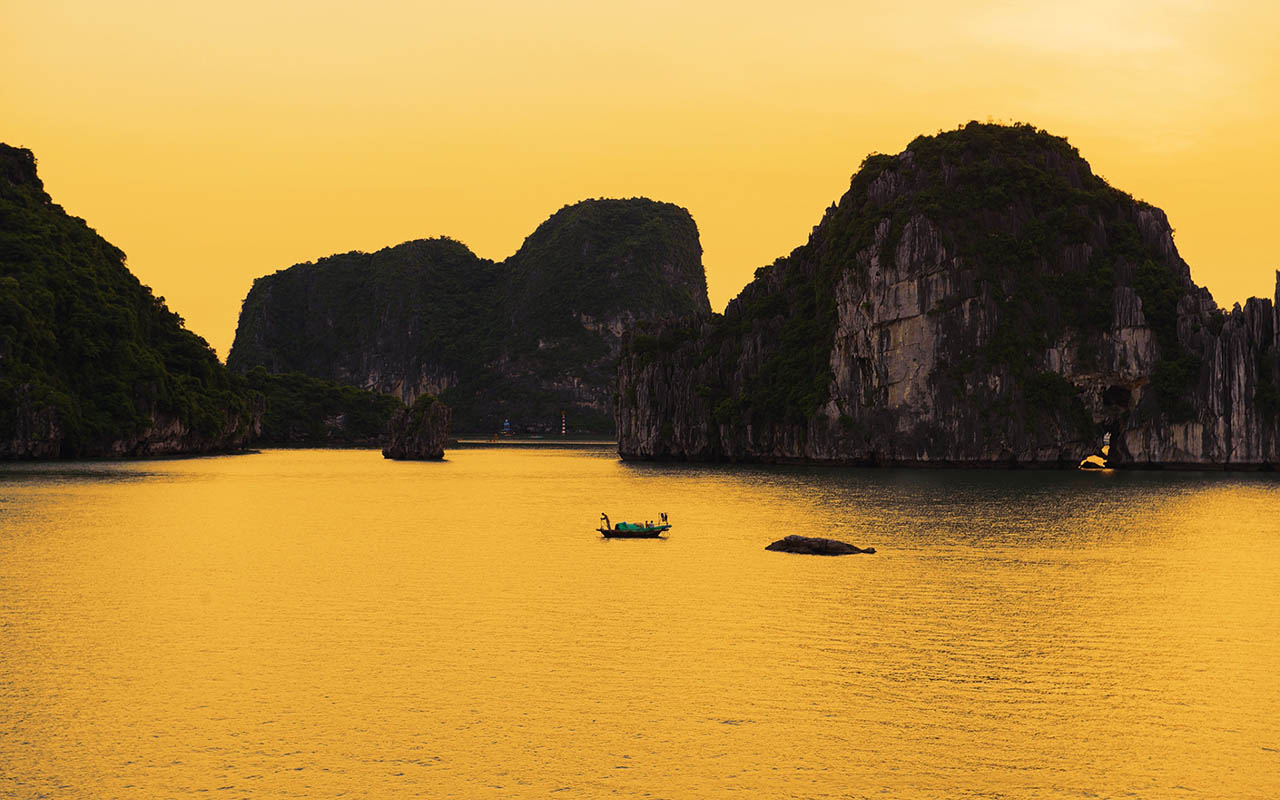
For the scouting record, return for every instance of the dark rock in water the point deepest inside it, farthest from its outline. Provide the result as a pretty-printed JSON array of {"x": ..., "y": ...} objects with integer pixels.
[
  {"x": 419, "y": 432},
  {"x": 814, "y": 546}
]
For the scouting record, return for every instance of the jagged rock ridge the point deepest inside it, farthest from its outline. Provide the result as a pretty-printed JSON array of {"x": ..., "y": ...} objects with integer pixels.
[
  {"x": 981, "y": 298},
  {"x": 522, "y": 339},
  {"x": 91, "y": 362}
]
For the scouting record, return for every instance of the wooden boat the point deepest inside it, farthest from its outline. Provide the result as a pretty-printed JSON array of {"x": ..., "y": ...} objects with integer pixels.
[{"x": 629, "y": 530}]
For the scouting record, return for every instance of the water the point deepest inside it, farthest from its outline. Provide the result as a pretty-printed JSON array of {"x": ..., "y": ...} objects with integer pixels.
[{"x": 313, "y": 623}]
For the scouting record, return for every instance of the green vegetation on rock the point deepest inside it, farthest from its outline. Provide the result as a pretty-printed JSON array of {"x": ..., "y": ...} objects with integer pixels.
[
  {"x": 1178, "y": 371},
  {"x": 302, "y": 410}
]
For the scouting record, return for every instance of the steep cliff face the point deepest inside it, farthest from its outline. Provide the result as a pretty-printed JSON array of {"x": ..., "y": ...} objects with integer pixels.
[
  {"x": 419, "y": 433},
  {"x": 981, "y": 298},
  {"x": 91, "y": 362},
  {"x": 1232, "y": 399},
  {"x": 520, "y": 340}
]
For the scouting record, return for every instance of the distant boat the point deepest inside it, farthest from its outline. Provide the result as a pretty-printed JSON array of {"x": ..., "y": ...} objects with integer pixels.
[{"x": 629, "y": 530}]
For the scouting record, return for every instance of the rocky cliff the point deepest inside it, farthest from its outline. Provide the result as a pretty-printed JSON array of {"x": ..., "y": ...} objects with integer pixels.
[
  {"x": 981, "y": 298},
  {"x": 91, "y": 362},
  {"x": 419, "y": 432},
  {"x": 523, "y": 339}
]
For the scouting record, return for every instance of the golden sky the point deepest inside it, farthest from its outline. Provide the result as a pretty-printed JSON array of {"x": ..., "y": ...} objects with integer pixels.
[{"x": 216, "y": 142}]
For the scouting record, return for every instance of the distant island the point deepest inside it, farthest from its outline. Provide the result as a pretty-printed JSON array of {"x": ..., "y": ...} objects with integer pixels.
[
  {"x": 516, "y": 342},
  {"x": 980, "y": 299}
]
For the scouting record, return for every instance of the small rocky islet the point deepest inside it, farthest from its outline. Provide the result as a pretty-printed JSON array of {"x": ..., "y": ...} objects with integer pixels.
[{"x": 419, "y": 433}]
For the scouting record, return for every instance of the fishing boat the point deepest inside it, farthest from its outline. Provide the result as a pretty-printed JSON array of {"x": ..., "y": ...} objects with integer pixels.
[{"x": 632, "y": 530}]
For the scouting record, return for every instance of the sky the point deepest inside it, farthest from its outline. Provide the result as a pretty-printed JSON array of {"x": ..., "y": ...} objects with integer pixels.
[{"x": 218, "y": 142}]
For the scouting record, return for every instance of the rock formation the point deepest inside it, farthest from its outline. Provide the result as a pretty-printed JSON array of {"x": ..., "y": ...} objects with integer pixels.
[
  {"x": 814, "y": 546},
  {"x": 522, "y": 340},
  {"x": 981, "y": 298},
  {"x": 419, "y": 432},
  {"x": 91, "y": 362}
]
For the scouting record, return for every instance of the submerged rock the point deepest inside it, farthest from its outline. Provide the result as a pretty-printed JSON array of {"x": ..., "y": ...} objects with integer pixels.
[
  {"x": 815, "y": 546},
  {"x": 419, "y": 432}
]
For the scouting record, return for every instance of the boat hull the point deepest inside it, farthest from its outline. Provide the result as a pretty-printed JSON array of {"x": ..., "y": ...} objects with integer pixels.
[{"x": 647, "y": 533}]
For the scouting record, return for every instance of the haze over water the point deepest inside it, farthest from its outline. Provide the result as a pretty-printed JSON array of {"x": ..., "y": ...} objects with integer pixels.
[{"x": 315, "y": 623}]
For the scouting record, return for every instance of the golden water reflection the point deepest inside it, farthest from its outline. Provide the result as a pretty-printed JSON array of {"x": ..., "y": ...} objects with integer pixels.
[{"x": 314, "y": 623}]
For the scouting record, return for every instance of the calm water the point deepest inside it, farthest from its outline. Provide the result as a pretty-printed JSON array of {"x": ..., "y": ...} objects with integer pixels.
[{"x": 315, "y": 623}]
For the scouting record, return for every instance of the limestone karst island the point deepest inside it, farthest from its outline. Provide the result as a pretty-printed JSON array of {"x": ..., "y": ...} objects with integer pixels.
[{"x": 981, "y": 299}]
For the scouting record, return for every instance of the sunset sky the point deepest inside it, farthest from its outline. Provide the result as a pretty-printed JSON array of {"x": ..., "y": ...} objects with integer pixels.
[{"x": 218, "y": 142}]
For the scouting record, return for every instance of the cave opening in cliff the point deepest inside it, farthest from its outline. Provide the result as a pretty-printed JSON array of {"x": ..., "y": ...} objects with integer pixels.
[{"x": 1118, "y": 396}]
